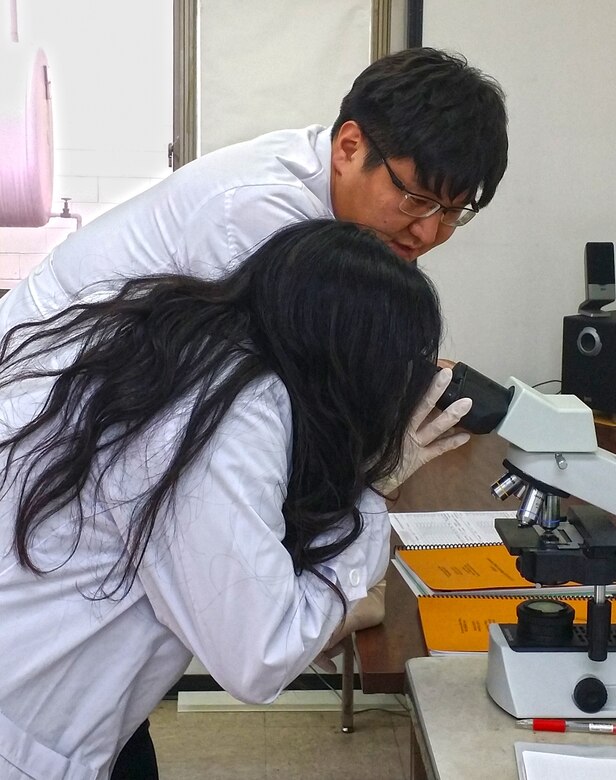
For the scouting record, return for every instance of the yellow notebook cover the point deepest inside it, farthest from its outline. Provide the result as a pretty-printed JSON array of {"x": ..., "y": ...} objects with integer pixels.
[
  {"x": 480, "y": 567},
  {"x": 459, "y": 624}
]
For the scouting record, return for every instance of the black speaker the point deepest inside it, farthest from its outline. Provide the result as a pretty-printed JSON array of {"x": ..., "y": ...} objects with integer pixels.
[{"x": 589, "y": 360}]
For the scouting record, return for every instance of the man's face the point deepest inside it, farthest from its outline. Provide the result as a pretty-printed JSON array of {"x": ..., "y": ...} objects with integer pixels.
[{"x": 370, "y": 198}]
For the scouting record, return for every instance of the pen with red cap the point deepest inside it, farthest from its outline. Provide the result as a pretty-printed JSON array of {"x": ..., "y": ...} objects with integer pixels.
[{"x": 558, "y": 724}]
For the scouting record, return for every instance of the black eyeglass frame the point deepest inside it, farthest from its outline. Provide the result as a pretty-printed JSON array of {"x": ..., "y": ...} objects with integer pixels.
[{"x": 464, "y": 218}]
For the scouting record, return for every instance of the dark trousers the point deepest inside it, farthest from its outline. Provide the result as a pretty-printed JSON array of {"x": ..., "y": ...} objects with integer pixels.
[{"x": 137, "y": 760}]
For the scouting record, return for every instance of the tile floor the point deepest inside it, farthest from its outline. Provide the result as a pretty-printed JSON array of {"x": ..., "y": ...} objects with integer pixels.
[{"x": 281, "y": 745}]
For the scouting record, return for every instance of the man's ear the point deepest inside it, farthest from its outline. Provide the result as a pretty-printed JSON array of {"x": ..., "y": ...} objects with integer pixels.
[{"x": 348, "y": 146}]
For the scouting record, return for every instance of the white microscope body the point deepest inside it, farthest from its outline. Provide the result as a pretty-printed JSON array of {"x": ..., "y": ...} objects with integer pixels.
[{"x": 553, "y": 453}]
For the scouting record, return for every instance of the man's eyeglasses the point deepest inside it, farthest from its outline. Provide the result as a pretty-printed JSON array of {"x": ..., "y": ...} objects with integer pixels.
[{"x": 419, "y": 206}]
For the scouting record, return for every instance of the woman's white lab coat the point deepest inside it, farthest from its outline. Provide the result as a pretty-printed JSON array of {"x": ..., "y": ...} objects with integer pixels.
[{"x": 81, "y": 673}]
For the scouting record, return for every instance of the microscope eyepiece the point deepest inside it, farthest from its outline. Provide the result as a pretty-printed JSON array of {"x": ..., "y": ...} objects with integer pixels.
[{"x": 490, "y": 400}]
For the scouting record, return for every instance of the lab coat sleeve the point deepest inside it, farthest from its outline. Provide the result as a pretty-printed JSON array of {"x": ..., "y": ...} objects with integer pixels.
[
  {"x": 220, "y": 579},
  {"x": 226, "y": 228}
]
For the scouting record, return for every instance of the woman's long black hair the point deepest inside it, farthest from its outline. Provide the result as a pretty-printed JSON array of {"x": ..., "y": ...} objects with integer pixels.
[{"x": 350, "y": 329}]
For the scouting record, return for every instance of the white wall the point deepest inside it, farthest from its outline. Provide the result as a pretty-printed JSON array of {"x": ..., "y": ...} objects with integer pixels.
[
  {"x": 398, "y": 25},
  {"x": 269, "y": 65},
  {"x": 112, "y": 75},
  {"x": 265, "y": 66},
  {"x": 509, "y": 277}
]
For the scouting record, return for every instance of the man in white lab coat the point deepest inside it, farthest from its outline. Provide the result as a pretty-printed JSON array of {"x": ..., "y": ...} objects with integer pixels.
[{"x": 418, "y": 149}]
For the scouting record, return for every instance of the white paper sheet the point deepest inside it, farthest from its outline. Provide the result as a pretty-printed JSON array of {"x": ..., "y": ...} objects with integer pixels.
[
  {"x": 417, "y": 528},
  {"x": 538, "y": 761}
]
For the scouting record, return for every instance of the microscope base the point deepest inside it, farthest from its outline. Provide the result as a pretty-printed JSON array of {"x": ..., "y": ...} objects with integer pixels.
[{"x": 540, "y": 683}]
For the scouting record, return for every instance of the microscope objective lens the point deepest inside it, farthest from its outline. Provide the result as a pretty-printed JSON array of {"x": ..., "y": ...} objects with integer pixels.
[
  {"x": 508, "y": 485},
  {"x": 531, "y": 506}
]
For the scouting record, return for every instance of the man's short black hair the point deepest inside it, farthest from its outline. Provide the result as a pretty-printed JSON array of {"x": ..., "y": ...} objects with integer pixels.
[{"x": 432, "y": 107}]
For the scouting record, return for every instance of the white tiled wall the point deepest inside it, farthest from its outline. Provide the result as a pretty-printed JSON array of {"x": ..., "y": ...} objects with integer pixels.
[{"x": 111, "y": 70}]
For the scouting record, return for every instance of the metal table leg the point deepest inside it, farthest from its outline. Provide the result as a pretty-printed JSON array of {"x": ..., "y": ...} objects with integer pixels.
[{"x": 348, "y": 658}]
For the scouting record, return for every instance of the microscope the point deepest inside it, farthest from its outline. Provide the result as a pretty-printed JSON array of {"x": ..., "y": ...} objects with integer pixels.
[{"x": 544, "y": 665}]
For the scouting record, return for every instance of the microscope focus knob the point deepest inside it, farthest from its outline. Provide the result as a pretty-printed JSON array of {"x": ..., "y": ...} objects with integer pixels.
[{"x": 590, "y": 694}]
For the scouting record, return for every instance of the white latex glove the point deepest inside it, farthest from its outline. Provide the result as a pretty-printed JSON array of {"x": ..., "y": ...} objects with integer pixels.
[
  {"x": 367, "y": 612},
  {"x": 427, "y": 436}
]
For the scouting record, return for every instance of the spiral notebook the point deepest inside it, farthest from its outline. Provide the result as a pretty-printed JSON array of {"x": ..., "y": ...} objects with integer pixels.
[
  {"x": 482, "y": 569},
  {"x": 450, "y": 527},
  {"x": 459, "y": 624},
  {"x": 456, "y": 552}
]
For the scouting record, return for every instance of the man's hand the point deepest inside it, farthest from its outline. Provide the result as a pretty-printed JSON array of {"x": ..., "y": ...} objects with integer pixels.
[{"x": 429, "y": 435}]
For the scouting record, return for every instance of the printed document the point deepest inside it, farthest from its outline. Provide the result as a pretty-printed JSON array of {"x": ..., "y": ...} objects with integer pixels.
[{"x": 432, "y": 528}]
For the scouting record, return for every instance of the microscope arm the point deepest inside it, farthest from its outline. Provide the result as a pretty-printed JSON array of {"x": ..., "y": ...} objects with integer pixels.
[{"x": 552, "y": 440}]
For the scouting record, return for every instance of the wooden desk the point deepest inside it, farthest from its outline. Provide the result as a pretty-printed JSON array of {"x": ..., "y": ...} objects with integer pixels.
[{"x": 458, "y": 480}]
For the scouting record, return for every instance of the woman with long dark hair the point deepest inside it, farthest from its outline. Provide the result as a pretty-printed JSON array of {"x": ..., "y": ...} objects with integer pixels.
[{"x": 188, "y": 467}]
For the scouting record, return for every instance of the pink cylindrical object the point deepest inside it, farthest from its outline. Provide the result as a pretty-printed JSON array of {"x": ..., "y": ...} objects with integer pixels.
[{"x": 26, "y": 138}]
